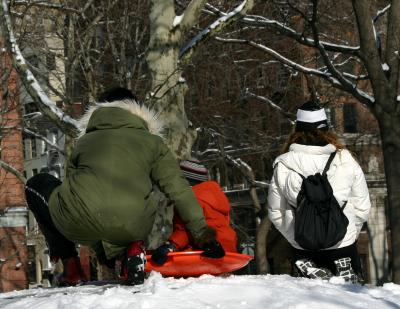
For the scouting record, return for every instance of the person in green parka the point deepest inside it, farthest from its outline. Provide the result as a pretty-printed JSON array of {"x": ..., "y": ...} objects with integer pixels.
[{"x": 108, "y": 198}]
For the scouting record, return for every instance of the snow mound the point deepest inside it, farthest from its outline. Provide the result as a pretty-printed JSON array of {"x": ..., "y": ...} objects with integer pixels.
[{"x": 208, "y": 292}]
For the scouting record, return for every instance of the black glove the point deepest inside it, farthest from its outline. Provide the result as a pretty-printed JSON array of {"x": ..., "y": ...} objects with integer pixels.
[
  {"x": 160, "y": 255},
  {"x": 213, "y": 249}
]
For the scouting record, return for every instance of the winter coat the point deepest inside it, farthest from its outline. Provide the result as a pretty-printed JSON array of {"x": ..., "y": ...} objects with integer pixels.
[
  {"x": 107, "y": 195},
  {"x": 345, "y": 176},
  {"x": 216, "y": 210}
]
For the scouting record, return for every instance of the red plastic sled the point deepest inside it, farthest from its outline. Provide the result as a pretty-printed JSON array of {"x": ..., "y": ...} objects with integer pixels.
[{"x": 191, "y": 264}]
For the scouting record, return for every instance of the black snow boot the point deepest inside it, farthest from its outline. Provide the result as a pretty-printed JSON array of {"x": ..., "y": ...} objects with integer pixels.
[
  {"x": 344, "y": 270},
  {"x": 309, "y": 270},
  {"x": 132, "y": 269}
]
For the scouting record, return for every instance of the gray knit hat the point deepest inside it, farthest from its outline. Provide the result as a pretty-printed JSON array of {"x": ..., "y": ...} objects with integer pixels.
[{"x": 193, "y": 170}]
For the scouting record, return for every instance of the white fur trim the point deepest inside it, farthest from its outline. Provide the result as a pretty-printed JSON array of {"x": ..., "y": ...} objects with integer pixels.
[
  {"x": 311, "y": 116},
  {"x": 151, "y": 117}
]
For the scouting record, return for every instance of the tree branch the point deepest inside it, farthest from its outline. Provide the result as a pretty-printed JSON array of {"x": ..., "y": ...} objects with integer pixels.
[
  {"x": 362, "y": 96},
  {"x": 191, "y": 15},
  {"x": 47, "y": 106},
  {"x": 12, "y": 170},
  {"x": 393, "y": 44},
  {"x": 46, "y": 5},
  {"x": 298, "y": 37},
  {"x": 369, "y": 52},
  {"x": 289, "y": 116},
  {"x": 381, "y": 13},
  {"x": 46, "y": 140},
  {"x": 346, "y": 84},
  {"x": 216, "y": 26}
]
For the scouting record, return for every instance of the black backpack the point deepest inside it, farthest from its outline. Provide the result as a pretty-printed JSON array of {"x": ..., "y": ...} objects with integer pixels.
[{"x": 319, "y": 220}]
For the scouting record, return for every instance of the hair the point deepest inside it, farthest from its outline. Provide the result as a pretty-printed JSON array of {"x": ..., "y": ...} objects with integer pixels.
[
  {"x": 313, "y": 138},
  {"x": 116, "y": 94}
]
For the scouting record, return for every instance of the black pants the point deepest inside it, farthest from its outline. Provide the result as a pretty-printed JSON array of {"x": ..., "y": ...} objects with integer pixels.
[
  {"x": 326, "y": 258},
  {"x": 38, "y": 190}
]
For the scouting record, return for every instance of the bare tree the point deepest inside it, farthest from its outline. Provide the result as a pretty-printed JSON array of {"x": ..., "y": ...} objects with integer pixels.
[
  {"x": 374, "y": 75},
  {"x": 92, "y": 34},
  {"x": 66, "y": 53}
]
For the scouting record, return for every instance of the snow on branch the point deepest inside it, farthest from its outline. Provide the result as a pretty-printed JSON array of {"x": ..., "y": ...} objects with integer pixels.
[
  {"x": 46, "y": 140},
  {"x": 287, "y": 115},
  {"x": 217, "y": 26},
  {"x": 346, "y": 74},
  {"x": 177, "y": 21},
  {"x": 13, "y": 171},
  {"x": 45, "y": 4},
  {"x": 297, "y": 36},
  {"x": 242, "y": 166},
  {"x": 381, "y": 12},
  {"x": 46, "y": 105},
  {"x": 210, "y": 9},
  {"x": 346, "y": 84},
  {"x": 364, "y": 97},
  {"x": 246, "y": 170},
  {"x": 277, "y": 56}
]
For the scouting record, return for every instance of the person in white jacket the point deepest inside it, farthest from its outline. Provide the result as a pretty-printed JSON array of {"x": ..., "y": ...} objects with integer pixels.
[{"x": 306, "y": 152}]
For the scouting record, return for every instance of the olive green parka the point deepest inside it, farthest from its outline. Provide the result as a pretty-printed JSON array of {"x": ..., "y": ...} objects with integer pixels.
[{"x": 107, "y": 197}]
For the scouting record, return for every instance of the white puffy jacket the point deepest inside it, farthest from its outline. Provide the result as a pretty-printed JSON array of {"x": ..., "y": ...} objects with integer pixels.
[{"x": 345, "y": 176}]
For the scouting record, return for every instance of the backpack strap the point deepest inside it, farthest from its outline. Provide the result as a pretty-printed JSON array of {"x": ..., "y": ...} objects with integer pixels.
[
  {"x": 328, "y": 164},
  {"x": 289, "y": 168}
]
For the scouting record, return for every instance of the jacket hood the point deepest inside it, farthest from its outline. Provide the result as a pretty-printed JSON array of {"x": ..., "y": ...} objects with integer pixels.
[
  {"x": 145, "y": 118},
  {"x": 297, "y": 156}
]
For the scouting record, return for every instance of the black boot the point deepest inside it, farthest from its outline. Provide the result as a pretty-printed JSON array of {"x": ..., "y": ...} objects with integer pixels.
[
  {"x": 309, "y": 270},
  {"x": 132, "y": 268},
  {"x": 344, "y": 270}
]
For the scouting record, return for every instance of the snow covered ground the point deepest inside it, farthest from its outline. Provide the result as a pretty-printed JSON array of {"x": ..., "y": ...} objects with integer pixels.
[{"x": 209, "y": 292}]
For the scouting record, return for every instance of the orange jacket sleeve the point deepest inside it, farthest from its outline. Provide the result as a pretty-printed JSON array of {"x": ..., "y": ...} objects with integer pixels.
[
  {"x": 179, "y": 236},
  {"x": 216, "y": 210}
]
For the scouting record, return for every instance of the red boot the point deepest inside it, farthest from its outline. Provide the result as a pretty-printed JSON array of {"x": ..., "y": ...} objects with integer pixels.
[
  {"x": 132, "y": 268},
  {"x": 72, "y": 273}
]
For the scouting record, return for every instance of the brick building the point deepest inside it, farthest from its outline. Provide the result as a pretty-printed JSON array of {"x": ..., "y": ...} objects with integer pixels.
[{"x": 13, "y": 211}]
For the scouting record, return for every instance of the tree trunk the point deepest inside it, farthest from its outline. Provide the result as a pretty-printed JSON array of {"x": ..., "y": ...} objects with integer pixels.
[
  {"x": 261, "y": 245},
  {"x": 389, "y": 127},
  {"x": 168, "y": 88}
]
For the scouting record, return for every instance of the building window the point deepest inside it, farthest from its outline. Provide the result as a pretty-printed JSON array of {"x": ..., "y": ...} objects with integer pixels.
[
  {"x": 283, "y": 79},
  {"x": 33, "y": 60},
  {"x": 34, "y": 171},
  {"x": 33, "y": 148},
  {"x": 30, "y": 108},
  {"x": 30, "y": 150},
  {"x": 349, "y": 118},
  {"x": 25, "y": 147},
  {"x": 51, "y": 61}
]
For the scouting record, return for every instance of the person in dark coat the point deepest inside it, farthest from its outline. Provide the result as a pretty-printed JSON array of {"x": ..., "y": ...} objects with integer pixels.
[
  {"x": 216, "y": 209},
  {"x": 107, "y": 200}
]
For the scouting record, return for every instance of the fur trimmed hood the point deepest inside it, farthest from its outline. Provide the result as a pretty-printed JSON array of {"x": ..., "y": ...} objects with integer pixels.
[{"x": 150, "y": 117}]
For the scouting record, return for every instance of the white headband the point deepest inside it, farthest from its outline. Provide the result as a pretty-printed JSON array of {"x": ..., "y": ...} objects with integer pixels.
[{"x": 311, "y": 116}]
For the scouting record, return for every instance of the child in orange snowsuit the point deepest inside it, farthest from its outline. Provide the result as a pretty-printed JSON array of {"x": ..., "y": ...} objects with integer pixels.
[{"x": 216, "y": 210}]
